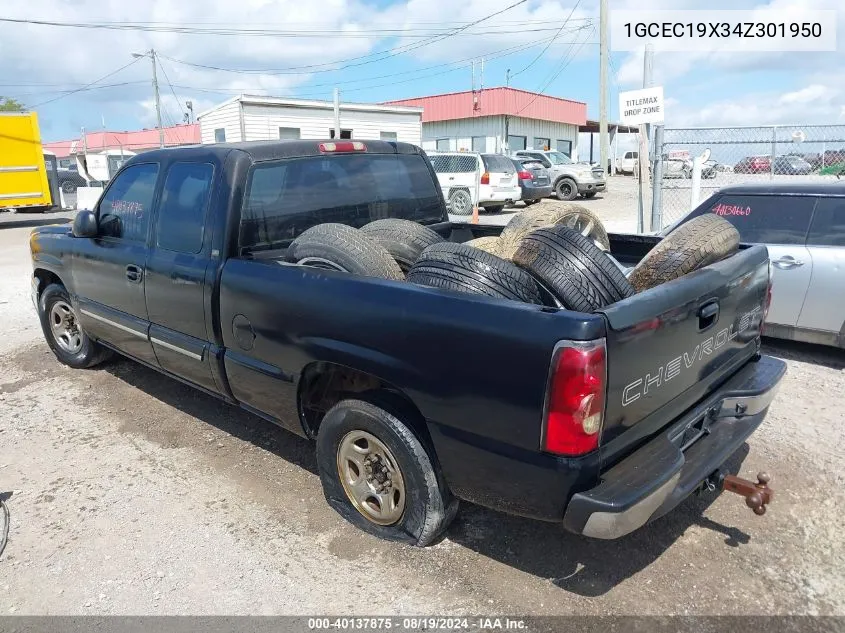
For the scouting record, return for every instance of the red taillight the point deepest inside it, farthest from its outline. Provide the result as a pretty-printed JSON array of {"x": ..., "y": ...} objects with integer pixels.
[
  {"x": 575, "y": 399},
  {"x": 485, "y": 178},
  {"x": 525, "y": 175},
  {"x": 343, "y": 146}
]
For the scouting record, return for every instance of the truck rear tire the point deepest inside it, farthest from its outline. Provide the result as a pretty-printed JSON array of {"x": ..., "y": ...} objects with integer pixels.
[
  {"x": 700, "y": 242},
  {"x": 574, "y": 270},
  {"x": 573, "y": 216},
  {"x": 66, "y": 338},
  {"x": 566, "y": 189},
  {"x": 489, "y": 244},
  {"x": 462, "y": 268},
  {"x": 340, "y": 247},
  {"x": 378, "y": 475},
  {"x": 403, "y": 239}
]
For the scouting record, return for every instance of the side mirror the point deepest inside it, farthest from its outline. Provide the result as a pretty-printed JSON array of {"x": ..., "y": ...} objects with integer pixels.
[{"x": 85, "y": 224}]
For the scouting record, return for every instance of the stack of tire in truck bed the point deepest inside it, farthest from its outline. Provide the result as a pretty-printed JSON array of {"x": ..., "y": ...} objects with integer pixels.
[{"x": 556, "y": 257}]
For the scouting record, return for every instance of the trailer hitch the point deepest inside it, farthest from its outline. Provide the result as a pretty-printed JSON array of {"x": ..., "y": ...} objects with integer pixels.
[{"x": 757, "y": 495}]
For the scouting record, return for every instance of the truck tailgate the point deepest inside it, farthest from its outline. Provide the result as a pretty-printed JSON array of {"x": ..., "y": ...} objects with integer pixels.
[{"x": 670, "y": 346}]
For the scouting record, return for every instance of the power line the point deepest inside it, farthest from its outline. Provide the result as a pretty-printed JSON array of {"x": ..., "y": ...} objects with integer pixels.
[
  {"x": 84, "y": 89},
  {"x": 96, "y": 81},
  {"x": 542, "y": 52},
  {"x": 564, "y": 63}
]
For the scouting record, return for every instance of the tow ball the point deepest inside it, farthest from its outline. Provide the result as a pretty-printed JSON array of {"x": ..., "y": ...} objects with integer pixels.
[{"x": 757, "y": 495}]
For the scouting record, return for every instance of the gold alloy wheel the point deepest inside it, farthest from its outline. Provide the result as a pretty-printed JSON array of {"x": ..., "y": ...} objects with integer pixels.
[{"x": 371, "y": 477}]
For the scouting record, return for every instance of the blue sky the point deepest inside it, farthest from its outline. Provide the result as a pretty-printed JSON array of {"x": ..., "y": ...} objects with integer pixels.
[{"x": 43, "y": 63}]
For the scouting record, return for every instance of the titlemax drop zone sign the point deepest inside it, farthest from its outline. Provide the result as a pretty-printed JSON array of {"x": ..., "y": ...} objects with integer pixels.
[{"x": 641, "y": 106}]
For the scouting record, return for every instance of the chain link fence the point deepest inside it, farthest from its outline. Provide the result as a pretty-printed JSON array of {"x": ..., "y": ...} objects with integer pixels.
[{"x": 744, "y": 155}]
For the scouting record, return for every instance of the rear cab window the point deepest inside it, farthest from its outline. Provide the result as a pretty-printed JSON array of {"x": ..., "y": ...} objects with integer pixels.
[
  {"x": 284, "y": 198},
  {"x": 763, "y": 219}
]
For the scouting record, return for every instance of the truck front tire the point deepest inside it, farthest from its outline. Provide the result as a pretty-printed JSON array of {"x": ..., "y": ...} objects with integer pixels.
[
  {"x": 566, "y": 189},
  {"x": 378, "y": 475},
  {"x": 65, "y": 336}
]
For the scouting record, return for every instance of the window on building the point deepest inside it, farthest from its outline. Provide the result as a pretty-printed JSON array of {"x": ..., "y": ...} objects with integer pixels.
[
  {"x": 443, "y": 144},
  {"x": 344, "y": 134},
  {"x": 220, "y": 135},
  {"x": 516, "y": 143},
  {"x": 181, "y": 214},
  {"x": 541, "y": 143},
  {"x": 388, "y": 136},
  {"x": 763, "y": 219},
  {"x": 289, "y": 133},
  {"x": 479, "y": 144},
  {"x": 564, "y": 146},
  {"x": 124, "y": 210}
]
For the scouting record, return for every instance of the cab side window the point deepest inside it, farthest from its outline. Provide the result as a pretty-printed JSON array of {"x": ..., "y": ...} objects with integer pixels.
[
  {"x": 184, "y": 200},
  {"x": 124, "y": 211},
  {"x": 828, "y": 228}
]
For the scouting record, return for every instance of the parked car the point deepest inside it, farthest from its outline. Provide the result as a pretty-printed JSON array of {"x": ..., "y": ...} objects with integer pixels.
[
  {"x": 569, "y": 179},
  {"x": 792, "y": 166},
  {"x": 238, "y": 268},
  {"x": 803, "y": 227},
  {"x": 628, "y": 163},
  {"x": 462, "y": 174},
  {"x": 534, "y": 180},
  {"x": 754, "y": 165},
  {"x": 70, "y": 180}
]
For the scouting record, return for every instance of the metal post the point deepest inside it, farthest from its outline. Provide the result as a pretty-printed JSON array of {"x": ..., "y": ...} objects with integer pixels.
[
  {"x": 337, "y": 113},
  {"x": 604, "y": 149},
  {"x": 695, "y": 188},
  {"x": 774, "y": 152},
  {"x": 657, "y": 181},
  {"x": 643, "y": 160},
  {"x": 158, "y": 98}
]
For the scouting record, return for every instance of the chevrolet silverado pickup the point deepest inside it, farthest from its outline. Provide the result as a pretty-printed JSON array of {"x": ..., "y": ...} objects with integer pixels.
[{"x": 416, "y": 396}]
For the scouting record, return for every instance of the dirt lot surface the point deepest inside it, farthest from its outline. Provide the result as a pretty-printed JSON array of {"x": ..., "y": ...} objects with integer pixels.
[{"x": 133, "y": 494}]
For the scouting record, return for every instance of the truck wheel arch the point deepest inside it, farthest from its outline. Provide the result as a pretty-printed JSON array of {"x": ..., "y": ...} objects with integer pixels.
[
  {"x": 45, "y": 278},
  {"x": 323, "y": 384}
]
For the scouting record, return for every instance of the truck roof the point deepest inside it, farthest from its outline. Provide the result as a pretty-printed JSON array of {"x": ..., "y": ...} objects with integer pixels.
[
  {"x": 789, "y": 188},
  {"x": 274, "y": 150}
]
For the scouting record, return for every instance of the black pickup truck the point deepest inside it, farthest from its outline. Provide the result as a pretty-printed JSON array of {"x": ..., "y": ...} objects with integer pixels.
[{"x": 416, "y": 396}]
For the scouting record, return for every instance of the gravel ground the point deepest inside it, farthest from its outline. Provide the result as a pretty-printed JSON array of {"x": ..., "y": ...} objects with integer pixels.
[{"x": 133, "y": 494}]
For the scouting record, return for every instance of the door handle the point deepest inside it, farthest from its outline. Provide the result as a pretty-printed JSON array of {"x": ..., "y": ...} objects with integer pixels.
[
  {"x": 786, "y": 262},
  {"x": 134, "y": 273},
  {"x": 708, "y": 314}
]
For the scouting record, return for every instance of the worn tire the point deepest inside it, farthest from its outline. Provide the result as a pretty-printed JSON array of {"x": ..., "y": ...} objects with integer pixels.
[
  {"x": 700, "y": 242},
  {"x": 566, "y": 189},
  {"x": 429, "y": 506},
  {"x": 494, "y": 208},
  {"x": 403, "y": 239},
  {"x": 576, "y": 272},
  {"x": 570, "y": 215},
  {"x": 346, "y": 248},
  {"x": 488, "y": 244},
  {"x": 90, "y": 353},
  {"x": 460, "y": 202},
  {"x": 462, "y": 268}
]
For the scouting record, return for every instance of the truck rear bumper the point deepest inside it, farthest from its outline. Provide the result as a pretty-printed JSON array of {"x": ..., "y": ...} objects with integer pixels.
[{"x": 658, "y": 476}]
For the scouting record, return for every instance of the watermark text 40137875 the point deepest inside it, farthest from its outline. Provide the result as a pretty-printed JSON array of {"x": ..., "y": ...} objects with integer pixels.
[{"x": 762, "y": 30}]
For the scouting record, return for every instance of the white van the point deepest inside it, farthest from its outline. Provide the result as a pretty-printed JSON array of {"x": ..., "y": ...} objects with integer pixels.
[
  {"x": 469, "y": 179},
  {"x": 628, "y": 163}
]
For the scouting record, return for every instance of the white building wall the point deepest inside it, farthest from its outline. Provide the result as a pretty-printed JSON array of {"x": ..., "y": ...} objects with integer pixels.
[
  {"x": 226, "y": 117},
  {"x": 262, "y": 122},
  {"x": 459, "y": 132}
]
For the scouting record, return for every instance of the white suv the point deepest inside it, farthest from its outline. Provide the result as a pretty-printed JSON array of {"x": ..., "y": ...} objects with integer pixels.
[{"x": 469, "y": 179}]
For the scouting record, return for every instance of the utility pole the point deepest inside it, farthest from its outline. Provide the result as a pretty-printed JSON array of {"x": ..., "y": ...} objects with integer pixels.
[
  {"x": 337, "y": 114},
  {"x": 508, "y": 78},
  {"x": 604, "y": 140},
  {"x": 152, "y": 55}
]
